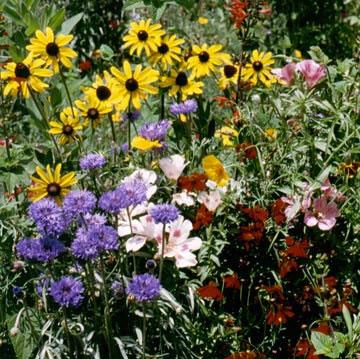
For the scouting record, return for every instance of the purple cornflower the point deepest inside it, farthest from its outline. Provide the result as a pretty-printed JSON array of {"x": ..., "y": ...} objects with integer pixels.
[
  {"x": 43, "y": 286},
  {"x": 112, "y": 201},
  {"x": 144, "y": 287},
  {"x": 133, "y": 192},
  {"x": 132, "y": 116},
  {"x": 91, "y": 241},
  {"x": 155, "y": 131},
  {"x": 17, "y": 291},
  {"x": 39, "y": 249},
  {"x": 79, "y": 202},
  {"x": 67, "y": 292},
  {"x": 92, "y": 161},
  {"x": 94, "y": 219},
  {"x": 164, "y": 213},
  {"x": 48, "y": 217},
  {"x": 184, "y": 108}
]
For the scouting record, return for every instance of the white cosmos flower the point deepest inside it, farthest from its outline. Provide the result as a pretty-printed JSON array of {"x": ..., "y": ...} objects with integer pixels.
[{"x": 173, "y": 166}]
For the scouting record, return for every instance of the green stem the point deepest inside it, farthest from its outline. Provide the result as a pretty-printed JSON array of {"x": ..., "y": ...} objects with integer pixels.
[
  {"x": 131, "y": 231},
  {"x": 162, "y": 253},
  {"x": 67, "y": 331},
  {"x": 144, "y": 332},
  {"x": 63, "y": 79}
]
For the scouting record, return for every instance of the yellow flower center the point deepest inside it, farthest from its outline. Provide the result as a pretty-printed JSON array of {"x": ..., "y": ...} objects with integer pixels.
[
  {"x": 131, "y": 85},
  {"x": 22, "y": 71},
  {"x": 103, "y": 93},
  {"x": 181, "y": 79},
  {"x": 204, "y": 56},
  {"x": 229, "y": 71},
  {"x": 257, "y": 66},
  {"x": 53, "y": 189},
  {"x": 52, "y": 49},
  {"x": 163, "y": 49},
  {"x": 93, "y": 113},
  {"x": 68, "y": 130},
  {"x": 142, "y": 35}
]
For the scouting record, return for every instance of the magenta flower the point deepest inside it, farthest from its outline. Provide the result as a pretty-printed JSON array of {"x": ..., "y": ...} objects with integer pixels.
[
  {"x": 285, "y": 75},
  {"x": 323, "y": 214},
  {"x": 312, "y": 72}
]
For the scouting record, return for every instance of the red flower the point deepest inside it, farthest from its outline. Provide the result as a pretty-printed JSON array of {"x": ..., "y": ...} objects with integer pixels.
[
  {"x": 253, "y": 232},
  {"x": 276, "y": 292},
  {"x": 203, "y": 218},
  {"x": 195, "y": 182},
  {"x": 323, "y": 327},
  {"x": 243, "y": 355},
  {"x": 279, "y": 314},
  {"x": 331, "y": 282},
  {"x": 224, "y": 102},
  {"x": 277, "y": 211},
  {"x": 238, "y": 13},
  {"x": 296, "y": 248},
  {"x": 286, "y": 266},
  {"x": 248, "y": 149},
  {"x": 231, "y": 281},
  {"x": 305, "y": 349},
  {"x": 257, "y": 214},
  {"x": 85, "y": 65},
  {"x": 210, "y": 291}
]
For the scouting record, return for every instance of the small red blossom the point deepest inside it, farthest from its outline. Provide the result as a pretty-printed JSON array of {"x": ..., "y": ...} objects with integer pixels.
[
  {"x": 243, "y": 355},
  {"x": 279, "y": 314},
  {"x": 194, "y": 182},
  {"x": 247, "y": 149},
  {"x": 232, "y": 281},
  {"x": 275, "y": 292},
  {"x": 323, "y": 327},
  {"x": 85, "y": 65},
  {"x": 210, "y": 291},
  {"x": 287, "y": 265},
  {"x": 257, "y": 213},
  {"x": 278, "y": 211},
  {"x": 238, "y": 13},
  {"x": 305, "y": 349},
  {"x": 203, "y": 218},
  {"x": 296, "y": 248}
]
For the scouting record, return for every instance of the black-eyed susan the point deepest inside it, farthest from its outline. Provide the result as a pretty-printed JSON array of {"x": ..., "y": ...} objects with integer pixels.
[
  {"x": 207, "y": 59},
  {"x": 167, "y": 52},
  {"x": 143, "y": 36},
  {"x": 92, "y": 110},
  {"x": 52, "y": 49},
  {"x": 230, "y": 74},
  {"x": 134, "y": 86},
  {"x": 181, "y": 83},
  {"x": 259, "y": 68},
  {"x": 51, "y": 183},
  {"x": 104, "y": 89},
  {"x": 67, "y": 127},
  {"x": 22, "y": 75}
]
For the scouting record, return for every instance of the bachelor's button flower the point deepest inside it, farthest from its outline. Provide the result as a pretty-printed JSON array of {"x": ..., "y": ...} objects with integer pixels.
[
  {"x": 67, "y": 292},
  {"x": 164, "y": 213},
  {"x": 144, "y": 287},
  {"x": 92, "y": 161}
]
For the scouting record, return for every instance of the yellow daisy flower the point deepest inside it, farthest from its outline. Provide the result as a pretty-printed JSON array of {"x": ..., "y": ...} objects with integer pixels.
[
  {"x": 67, "y": 127},
  {"x": 259, "y": 68},
  {"x": 207, "y": 59},
  {"x": 227, "y": 135},
  {"x": 134, "y": 86},
  {"x": 104, "y": 89},
  {"x": 215, "y": 170},
  {"x": 52, "y": 49},
  {"x": 92, "y": 110},
  {"x": 203, "y": 20},
  {"x": 168, "y": 51},
  {"x": 271, "y": 133},
  {"x": 143, "y": 144},
  {"x": 143, "y": 36},
  {"x": 51, "y": 184},
  {"x": 229, "y": 76},
  {"x": 22, "y": 75},
  {"x": 181, "y": 83}
]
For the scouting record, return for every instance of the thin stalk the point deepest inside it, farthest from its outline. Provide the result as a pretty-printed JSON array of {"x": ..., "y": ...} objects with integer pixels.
[
  {"x": 7, "y": 144},
  {"x": 131, "y": 231},
  {"x": 162, "y": 253},
  {"x": 66, "y": 90},
  {"x": 129, "y": 126},
  {"x": 144, "y": 332},
  {"x": 68, "y": 338}
]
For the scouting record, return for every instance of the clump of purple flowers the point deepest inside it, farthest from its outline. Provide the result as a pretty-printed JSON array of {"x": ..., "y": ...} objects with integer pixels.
[
  {"x": 155, "y": 131},
  {"x": 132, "y": 116},
  {"x": 49, "y": 218},
  {"x": 79, "y": 202},
  {"x": 67, "y": 292},
  {"x": 184, "y": 108},
  {"x": 92, "y": 161},
  {"x": 39, "y": 249},
  {"x": 164, "y": 213},
  {"x": 144, "y": 287},
  {"x": 90, "y": 241}
]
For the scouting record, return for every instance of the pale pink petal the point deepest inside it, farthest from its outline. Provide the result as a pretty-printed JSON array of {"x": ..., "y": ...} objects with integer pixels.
[
  {"x": 310, "y": 220},
  {"x": 133, "y": 244}
]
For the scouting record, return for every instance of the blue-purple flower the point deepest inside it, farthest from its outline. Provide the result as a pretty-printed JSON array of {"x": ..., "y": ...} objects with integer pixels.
[
  {"x": 39, "y": 249},
  {"x": 144, "y": 287},
  {"x": 164, "y": 213},
  {"x": 133, "y": 192},
  {"x": 67, "y": 292},
  {"x": 184, "y": 108},
  {"x": 79, "y": 202},
  {"x": 92, "y": 161},
  {"x": 112, "y": 201},
  {"x": 155, "y": 131}
]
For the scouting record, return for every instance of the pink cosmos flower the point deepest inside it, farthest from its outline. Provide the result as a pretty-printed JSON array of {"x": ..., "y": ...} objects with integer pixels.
[
  {"x": 285, "y": 74},
  {"x": 179, "y": 245},
  {"x": 173, "y": 166},
  {"x": 312, "y": 72},
  {"x": 323, "y": 214},
  {"x": 211, "y": 199},
  {"x": 331, "y": 192}
]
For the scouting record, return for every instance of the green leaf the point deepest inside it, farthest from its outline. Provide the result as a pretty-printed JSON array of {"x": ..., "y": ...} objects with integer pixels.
[
  {"x": 57, "y": 19},
  {"x": 348, "y": 321},
  {"x": 69, "y": 24},
  {"x": 107, "y": 52}
]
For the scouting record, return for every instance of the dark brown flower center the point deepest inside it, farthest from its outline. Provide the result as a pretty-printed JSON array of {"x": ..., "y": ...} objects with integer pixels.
[
  {"x": 21, "y": 70},
  {"x": 52, "y": 49},
  {"x": 229, "y": 71},
  {"x": 131, "y": 85},
  {"x": 181, "y": 79},
  {"x": 257, "y": 66},
  {"x": 163, "y": 49},
  {"x": 142, "y": 35},
  {"x": 93, "y": 113},
  {"x": 68, "y": 130},
  {"x": 53, "y": 189},
  {"x": 103, "y": 93},
  {"x": 204, "y": 56}
]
